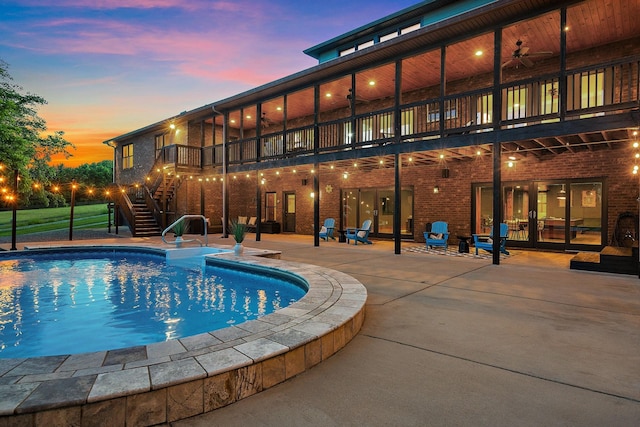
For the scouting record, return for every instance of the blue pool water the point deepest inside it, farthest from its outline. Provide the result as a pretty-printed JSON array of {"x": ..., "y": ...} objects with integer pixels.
[{"x": 79, "y": 302}]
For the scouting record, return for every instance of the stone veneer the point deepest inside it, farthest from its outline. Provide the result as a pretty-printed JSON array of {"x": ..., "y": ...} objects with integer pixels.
[{"x": 172, "y": 380}]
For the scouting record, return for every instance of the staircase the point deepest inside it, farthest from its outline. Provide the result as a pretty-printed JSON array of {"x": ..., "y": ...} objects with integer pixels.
[{"x": 145, "y": 224}]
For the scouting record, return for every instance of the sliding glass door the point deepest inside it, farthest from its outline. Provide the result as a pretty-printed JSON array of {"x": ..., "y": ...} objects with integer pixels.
[
  {"x": 559, "y": 214},
  {"x": 377, "y": 205}
]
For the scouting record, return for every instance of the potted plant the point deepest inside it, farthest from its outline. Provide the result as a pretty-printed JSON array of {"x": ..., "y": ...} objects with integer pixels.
[
  {"x": 238, "y": 231},
  {"x": 178, "y": 230}
]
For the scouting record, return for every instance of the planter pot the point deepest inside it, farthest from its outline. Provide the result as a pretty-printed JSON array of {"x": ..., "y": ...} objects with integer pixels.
[{"x": 238, "y": 249}]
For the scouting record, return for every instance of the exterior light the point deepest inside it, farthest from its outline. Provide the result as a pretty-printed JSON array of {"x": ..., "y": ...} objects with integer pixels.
[
  {"x": 436, "y": 189},
  {"x": 345, "y": 175},
  {"x": 479, "y": 53},
  {"x": 312, "y": 195},
  {"x": 172, "y": 126}
]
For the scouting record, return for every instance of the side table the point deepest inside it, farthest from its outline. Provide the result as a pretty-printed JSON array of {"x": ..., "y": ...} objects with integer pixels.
[{"x": 463, "y": 246}]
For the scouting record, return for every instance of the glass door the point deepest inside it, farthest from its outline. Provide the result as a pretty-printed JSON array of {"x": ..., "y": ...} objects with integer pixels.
[
  {"x": 517, "y": 212},
  {"x": 289, "y": 213},
  {"x": 563, "y": 214},
  {"x": 377, "y": 205},
  {"x": 368, "y": 209}
]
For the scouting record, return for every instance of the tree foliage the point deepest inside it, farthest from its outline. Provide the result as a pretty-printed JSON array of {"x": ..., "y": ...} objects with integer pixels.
[
  {"x": 27, "y": 148},
  {"x": 22, "y": 131}
]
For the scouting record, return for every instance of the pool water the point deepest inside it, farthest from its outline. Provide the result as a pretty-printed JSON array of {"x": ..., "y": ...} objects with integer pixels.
[{"x": 82, "y": 302}]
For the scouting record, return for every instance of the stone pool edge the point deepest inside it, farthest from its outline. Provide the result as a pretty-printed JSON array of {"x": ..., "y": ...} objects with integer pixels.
[{"x": 172, "y": 380}]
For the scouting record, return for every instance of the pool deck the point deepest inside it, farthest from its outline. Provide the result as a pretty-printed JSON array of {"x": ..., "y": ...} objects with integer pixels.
[{"x": 455, "y": 340}]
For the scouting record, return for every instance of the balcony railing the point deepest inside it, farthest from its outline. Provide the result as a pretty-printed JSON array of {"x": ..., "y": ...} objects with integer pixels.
[{"x": 594, "y": 90}]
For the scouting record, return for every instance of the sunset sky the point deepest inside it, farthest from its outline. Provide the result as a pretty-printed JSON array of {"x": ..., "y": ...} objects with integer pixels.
[{"x": 107, "y": 67}]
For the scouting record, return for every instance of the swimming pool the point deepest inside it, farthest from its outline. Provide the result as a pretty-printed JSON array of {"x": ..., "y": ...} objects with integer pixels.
[
  {"x": 176, "y": 379},
  {"x": 87, "y": 300}
]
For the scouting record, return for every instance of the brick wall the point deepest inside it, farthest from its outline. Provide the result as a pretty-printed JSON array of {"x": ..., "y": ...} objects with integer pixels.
[{"x": 452, "y": 203}]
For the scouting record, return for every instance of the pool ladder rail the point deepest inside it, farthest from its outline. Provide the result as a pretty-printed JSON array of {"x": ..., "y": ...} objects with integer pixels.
[{"x": 179, "y": 240}]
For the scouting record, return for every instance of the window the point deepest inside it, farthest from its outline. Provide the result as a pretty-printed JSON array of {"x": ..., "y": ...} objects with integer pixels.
[
  {"x": 485, "y": 108},
  {"x": 365, "y": 45},
  {"x": 407, "y": 122},
  {"x": 516, "y": 98},
  {"x": 347, "y": 51},
  {"x": 450, "y": 111},
  {"x": 592, "y": 89},
  {"x": 549, "y": 98},
  {"x": 410, "y": 28},
  {"x": 127, "y": 156},
  {"x": 347, "y": 133},
  {"x": 367, "y": 129},
  {"x": 160, "y": 144},
  {"x": 388, "y": 36}
]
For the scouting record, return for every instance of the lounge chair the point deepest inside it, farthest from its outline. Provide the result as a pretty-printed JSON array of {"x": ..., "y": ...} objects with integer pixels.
[
  {"x": 484, "y": 241},
  {"x": 326, "y": 232},
  {"x": 438, "y": 236},
  {"x": 359, "y": 234}
]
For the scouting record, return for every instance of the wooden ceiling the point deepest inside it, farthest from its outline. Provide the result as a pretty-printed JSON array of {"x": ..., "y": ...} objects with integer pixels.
[{"x": 590, "y": 24}]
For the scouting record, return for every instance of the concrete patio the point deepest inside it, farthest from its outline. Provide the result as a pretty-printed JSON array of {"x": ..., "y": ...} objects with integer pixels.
[{"x": 450, "y": 340}]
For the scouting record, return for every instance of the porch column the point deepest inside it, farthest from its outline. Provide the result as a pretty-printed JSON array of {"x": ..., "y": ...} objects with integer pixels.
[
  {"x": 397, "y": 130},
  {"x": 258, "y": 205},
  {"x": 316, "y": 167},
  {"x": 497, "y": 150},
  {"x": 316, "y": 204},
  {"x": 397, "y": 211},
  {"x": 225, "y": 163}
]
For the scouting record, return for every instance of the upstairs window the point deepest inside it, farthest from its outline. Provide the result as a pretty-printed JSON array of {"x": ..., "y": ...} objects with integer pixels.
[{"x": 127, "y": 156}]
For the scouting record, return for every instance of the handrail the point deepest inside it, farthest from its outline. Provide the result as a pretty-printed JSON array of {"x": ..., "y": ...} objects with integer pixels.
[{"x": 182, "y": 218}]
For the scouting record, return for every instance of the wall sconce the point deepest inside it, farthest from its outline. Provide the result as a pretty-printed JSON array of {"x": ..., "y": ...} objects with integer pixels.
[
  {"x": 436, "y": 189},
  {"x": 312, "y": 195}
]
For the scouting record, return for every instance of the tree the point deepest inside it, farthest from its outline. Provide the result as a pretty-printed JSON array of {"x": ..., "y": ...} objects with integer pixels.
[{"x": 23, "y": 139}]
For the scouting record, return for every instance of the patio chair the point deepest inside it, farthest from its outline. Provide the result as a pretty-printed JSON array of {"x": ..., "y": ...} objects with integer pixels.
[
  {"x": 359, "y": 234},
  {"x": 484, "y": 241},
  {"x": 326, "y": 232},
  {"x": 438, "y": 236}
]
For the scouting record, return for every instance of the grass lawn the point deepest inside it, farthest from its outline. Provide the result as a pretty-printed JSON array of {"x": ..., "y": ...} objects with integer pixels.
[{"x": 31, "y": 221}]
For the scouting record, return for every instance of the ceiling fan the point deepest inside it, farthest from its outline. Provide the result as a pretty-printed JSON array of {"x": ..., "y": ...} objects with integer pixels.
[{"x": 522, "y": 56}]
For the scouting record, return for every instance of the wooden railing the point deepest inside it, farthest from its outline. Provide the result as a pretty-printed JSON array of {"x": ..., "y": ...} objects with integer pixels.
[{"x": 593, "y": 90}]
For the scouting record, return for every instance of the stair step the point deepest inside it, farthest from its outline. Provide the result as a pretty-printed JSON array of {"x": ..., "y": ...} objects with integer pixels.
[{"x": 610, "y": 260}]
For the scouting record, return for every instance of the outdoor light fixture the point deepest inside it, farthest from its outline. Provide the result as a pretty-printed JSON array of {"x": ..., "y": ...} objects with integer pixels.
[{"x": 436, "y": 189}]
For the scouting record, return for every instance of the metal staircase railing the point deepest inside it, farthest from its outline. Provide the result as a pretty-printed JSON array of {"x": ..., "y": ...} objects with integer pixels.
[{"x": 181, "y": 219}]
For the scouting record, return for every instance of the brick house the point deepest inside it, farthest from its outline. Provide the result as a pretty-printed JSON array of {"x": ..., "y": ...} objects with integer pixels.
[{"x": 470, "y": 112}]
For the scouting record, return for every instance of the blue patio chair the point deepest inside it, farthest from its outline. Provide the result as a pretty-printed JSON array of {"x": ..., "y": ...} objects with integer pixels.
[
  {"x": 359, "y": 234},
  {"x": 326, "y": 232},
  {"x": 438, "y": 236},
  {"x": 484, "y": 241}
]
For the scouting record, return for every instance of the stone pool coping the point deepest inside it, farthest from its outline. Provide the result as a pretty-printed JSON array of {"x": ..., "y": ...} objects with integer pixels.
[{"x": 167, "y": 381}]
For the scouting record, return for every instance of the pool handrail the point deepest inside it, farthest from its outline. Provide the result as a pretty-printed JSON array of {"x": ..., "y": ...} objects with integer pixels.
[{"x": 205, "y": 221}]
